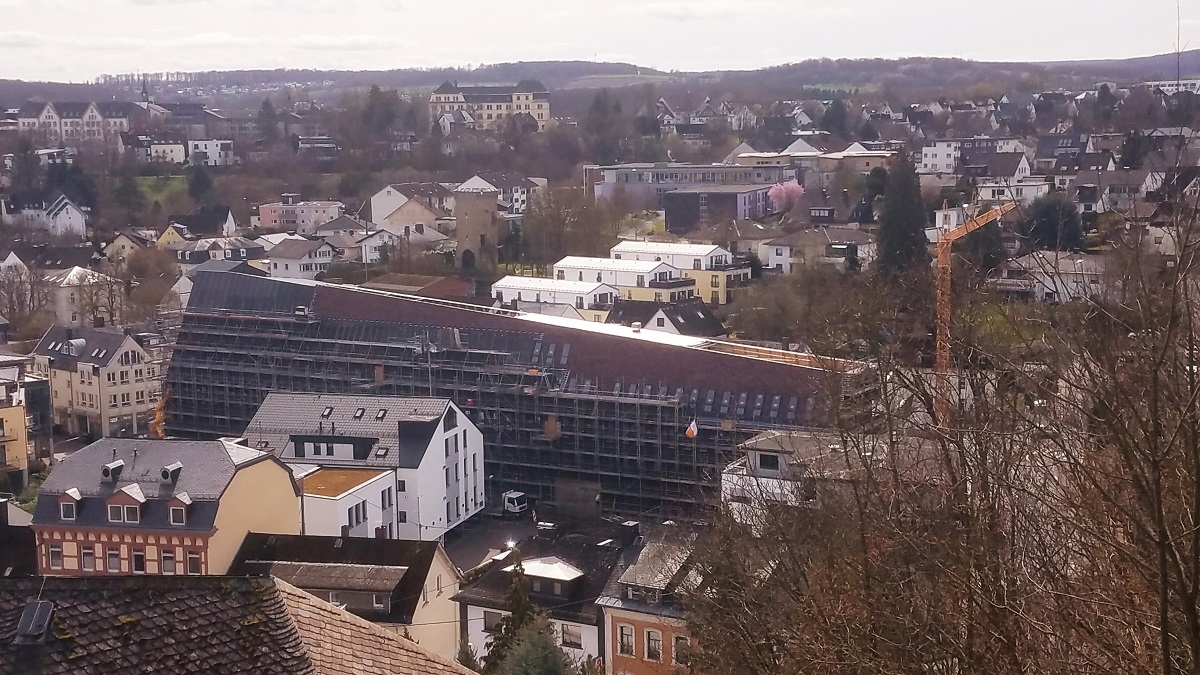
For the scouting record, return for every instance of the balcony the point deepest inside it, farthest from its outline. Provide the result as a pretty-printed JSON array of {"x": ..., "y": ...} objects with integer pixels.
[
  {"x": 729, "y": 266},
  {"x": 1011, "y": 285},
  {"x": 679, "y": 282}
]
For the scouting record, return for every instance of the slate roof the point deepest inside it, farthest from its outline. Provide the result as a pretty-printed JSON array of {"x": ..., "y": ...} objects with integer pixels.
[
  {"x": 1051, "y": 145},
  {"x": 690, "y": 317},
  {"x": 208, "y": 467},
  {"x": 998, "y": 164},
  {"x": 344, "y": 222},
  {"x": 116, "y": 109},
  {"x": 57, "y": 257},
  {"x": 207, "y": 221},
  {"x": 506, "y": 181},
  {"x": 823, "y": 235},
  {"x": 258, "y": 551},
  {"x": 70, "y": 347},
  {"x": 577, "y": 604},
  {"x": 174, "y": 625},
  {"x": 1087, "y": 161},
  {"x": 660, "y": 563},
  {"x": 407, "y": 427}
]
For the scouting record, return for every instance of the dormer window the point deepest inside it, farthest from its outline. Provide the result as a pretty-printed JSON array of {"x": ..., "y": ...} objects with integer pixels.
[
  {"x": 115, "y": 514},
  {"x": 178, "y": 515},
  {"x": 358, "y": 414},
  {"x": 768, "y": 462},
  {"x": 66, "y": 510},
  {"x": 327, "y": 412},
  {"x": 132, "y": 514}
]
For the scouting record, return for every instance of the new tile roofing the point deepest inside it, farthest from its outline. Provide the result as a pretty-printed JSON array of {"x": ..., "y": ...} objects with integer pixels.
[
  {"x": 184, "y": 625},
  {"x": 329, "y": 576},
  {"x": 408, "y": 423}
]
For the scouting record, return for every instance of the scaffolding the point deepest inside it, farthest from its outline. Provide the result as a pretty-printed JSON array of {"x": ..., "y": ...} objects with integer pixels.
[{"x": 547, "y": 431}]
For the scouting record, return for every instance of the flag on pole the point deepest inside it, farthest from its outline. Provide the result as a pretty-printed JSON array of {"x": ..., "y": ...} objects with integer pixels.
[{"x": 692, "y": 430}]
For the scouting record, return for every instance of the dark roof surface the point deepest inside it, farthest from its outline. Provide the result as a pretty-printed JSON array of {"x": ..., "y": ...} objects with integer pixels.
[
  {"x": 18, "y": 550},
  {"x": 415, "y": 556},
  {"x": 690, "y": 317},
  {"x": 997, "y": 164},
  {"x": 409, "y": 421},
  {"x": 57, "y": 257},
  {"x": 295, "y": 249},
  {"x": 72, "y": 346},
  {"x": 580, "y": 551},
  {"x": 207, "y": 221}
]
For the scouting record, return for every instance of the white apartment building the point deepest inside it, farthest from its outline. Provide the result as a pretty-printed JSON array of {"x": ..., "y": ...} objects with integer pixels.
[
  {"x": 634, "y": 279},
  {"x": 1004, "y": 190},
  {"x": 210, "y": 152},
  {"x": 415, "y": 464},
  {"x": 577, "y": 294},
  {"x": 292, "y": 214},
  {"x": 940, "y": 156},
  {"x": 680, "y": 256}
]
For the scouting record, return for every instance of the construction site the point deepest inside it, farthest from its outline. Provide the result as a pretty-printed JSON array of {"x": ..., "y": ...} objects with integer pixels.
[{"x": 591, "y": 419}]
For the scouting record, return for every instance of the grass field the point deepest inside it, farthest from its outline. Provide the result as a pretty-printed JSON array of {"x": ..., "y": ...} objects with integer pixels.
[{"x": 157, "y": 188}]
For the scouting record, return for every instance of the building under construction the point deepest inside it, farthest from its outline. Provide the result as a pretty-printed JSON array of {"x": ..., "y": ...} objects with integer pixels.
[{"x": 586, "y": 417}]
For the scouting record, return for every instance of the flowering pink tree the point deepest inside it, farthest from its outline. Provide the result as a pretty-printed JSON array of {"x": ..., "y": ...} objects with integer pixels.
[{"x": 784, "y": 196}]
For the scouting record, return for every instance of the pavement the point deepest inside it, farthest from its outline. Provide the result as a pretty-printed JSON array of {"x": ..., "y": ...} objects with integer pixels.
[{"x": 474, "y": 542}]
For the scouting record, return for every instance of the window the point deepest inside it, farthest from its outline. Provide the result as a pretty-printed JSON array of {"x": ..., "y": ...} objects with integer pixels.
[
  {"x": 400, "y": 485},
  {"x": 67, "y": 510},
  {"x": 113, "y": 562},
  {"x": 768, "y": 462},
  {"x": 88, "y": 558},
  {"x": 572, "y": 636},
  {"x": 359, "y": 413},
  {"x": 193, "y": 562},
  {"x": 329, "y": 449},
  {"x": 385, "y": 498},
  {"x": 402, "y": 516},
  {"x": 139, "y": 561},
  {"x": 491, "y": 620},
  {"x": 168, "y": 562},
  {"x": 716, "y": 281},
  {"x": 536, "y": 585},
  {"x": 177, "y": 515},
  {"x": 56, "y": 557},
  {"x": 327, "y": 412},
  {"x": 653, "y": 645},
  {"x": 379, "y": 600},
  {"x": 557, "y": 588},
  {"x": 124, "y": 376},
  {"x": 660, "y": 322},
  {"x": 680, "y": 651},
  {"x": 381, "y": 414},
  {"x": 125, "y": 399},
  {"x": 625, "y": 640},
  {"x": 131, "y": 514},
  {"x": 114, "y": 513},
  {"x": 449, "y": 512}
]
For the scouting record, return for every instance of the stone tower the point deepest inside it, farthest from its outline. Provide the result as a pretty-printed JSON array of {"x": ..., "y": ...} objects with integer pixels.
[{"x": 478, "y": 229}]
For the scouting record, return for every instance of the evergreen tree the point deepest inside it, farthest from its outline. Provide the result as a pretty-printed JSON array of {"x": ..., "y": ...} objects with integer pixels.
[
  {"x": 27, "y": 168},
  {"x": 521, "y": 613},
  {"x": 536, "y": 652},
  {"x": 466, "y": 656},
  {"x": 902, "y": 242},
  {"x": 381, "y": 110},
  {"x": 868, "y": 132},
  {"x": 128, "y": 194},
  {"x": 1053, "y": 223},
  {"x": 268, "y": 122},
  {"x": 875, "y": 183},
  {"x": 605, "y": 127},
  {"x": 1134, "y": 150},
  {"x": 836, "y": 119},
  {"x": 199, "y": 183}
]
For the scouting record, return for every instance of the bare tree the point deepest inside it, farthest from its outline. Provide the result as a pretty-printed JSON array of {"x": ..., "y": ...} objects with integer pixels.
[{"x": 25, "y": 297}]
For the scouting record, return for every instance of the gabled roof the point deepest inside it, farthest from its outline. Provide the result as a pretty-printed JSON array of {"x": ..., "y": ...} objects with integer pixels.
[
  {"x": 820, "y": 236},
  {"x": 690, "y": 317},
  {"x": 261, "y": 553},
  {"x": 294, "y": 249},
  {"x": 215, "y": 244},
  {"x": 1068, "y": 164},
  {"x": 406, "y": 428},
  {"x": 77, "y": 276},
  {"x": 997, "y": 164},
  {"x": 72, "y": 346},
  {"x": 344, "y": 222},
  {"x": 503, "y": 181},
  {"x": 57, "y": 257},
  {"x": 173, "y": 625}
]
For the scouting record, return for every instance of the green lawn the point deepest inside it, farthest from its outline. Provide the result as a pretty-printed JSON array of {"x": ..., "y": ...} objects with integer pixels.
[{"x": 157, "y": 188}]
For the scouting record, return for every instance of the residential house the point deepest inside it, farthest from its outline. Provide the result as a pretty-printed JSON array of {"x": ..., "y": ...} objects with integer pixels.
[
  {"x": 1052, "y": 276},
  {"x": 1009, "y": 167},
  {"x": 83, "y": 297},
  {"x": 188, "y": 254},
  {"x": 103, "y": 381},
  {"x": 565, "y": 576},
  {"x": 940, "y": 156},
  {"x": 46, "y": 157},
  {"x": 492, "y": 106},
  {"x": 153, "y": 149},
  {"x": 691, "y": 316},
  {"x": 16, "y": 442},
  {"x": 1004, "y": 190},
  {"x": 211, "y": 152},
  {"x": 269, "y": 241},
  {"x": 432, "y": 199},
  {"x": 183, "y": 286},
  {"x": 167, "y": 507},
  {"x": 174, "y": 234},
  {"x": 648, "y": 280},
  {"x": 591, "y": 299},
  {"x": 993, "y": 144},
  {"x": 344, "y": 225},
  {"x": 404, "y": 586},
  {"x": 431, "y": 451},
  {"x": 741, "y": 237},
  {"x": 716, "y": 273},
  {"x": 693, "y": 208},
  {"x": 856, "y": 159},
  {"x": 1119, "y": 190},
  {"x": 644, "y": 624},
  {"x": 1051, "y": 146},
  {"x": 301, "y": 259},
  {"x": 58, "y": 258},
  {"x": 398, "y": 240},
  {"x": 515, "y": 192},
  {"x": 69, "y": 625},
  {"x": 213, "y": 220},
  {"x": 1068, "y": 166},
  {"x": 453, "y": 122},
  {"x": 56, "y": 214},
  {"x": 128, "y": 241},
  {"x": 842, "y": 247},
  {"x": 302, "y": 217}
]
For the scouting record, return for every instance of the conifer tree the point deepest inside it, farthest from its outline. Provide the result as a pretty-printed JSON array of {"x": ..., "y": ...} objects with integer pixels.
[{"x": 903, "y": 245}]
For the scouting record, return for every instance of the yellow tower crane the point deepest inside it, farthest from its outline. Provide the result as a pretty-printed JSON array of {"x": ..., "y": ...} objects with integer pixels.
[{"x": 942, "y": 363}]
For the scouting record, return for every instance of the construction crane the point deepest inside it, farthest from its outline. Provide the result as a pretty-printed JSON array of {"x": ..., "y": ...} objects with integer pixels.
[{"x": 942, "y": 363}]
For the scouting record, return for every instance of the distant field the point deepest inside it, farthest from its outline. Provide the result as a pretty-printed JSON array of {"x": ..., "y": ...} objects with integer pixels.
[{"x": 603, "y": 81}]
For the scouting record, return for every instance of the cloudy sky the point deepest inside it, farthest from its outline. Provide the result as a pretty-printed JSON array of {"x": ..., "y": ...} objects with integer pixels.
[{"x": 75, "y": 40}]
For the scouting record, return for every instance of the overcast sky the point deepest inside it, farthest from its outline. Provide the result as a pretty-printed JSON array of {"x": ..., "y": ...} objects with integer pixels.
[{"x": 79, "y": 39}]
